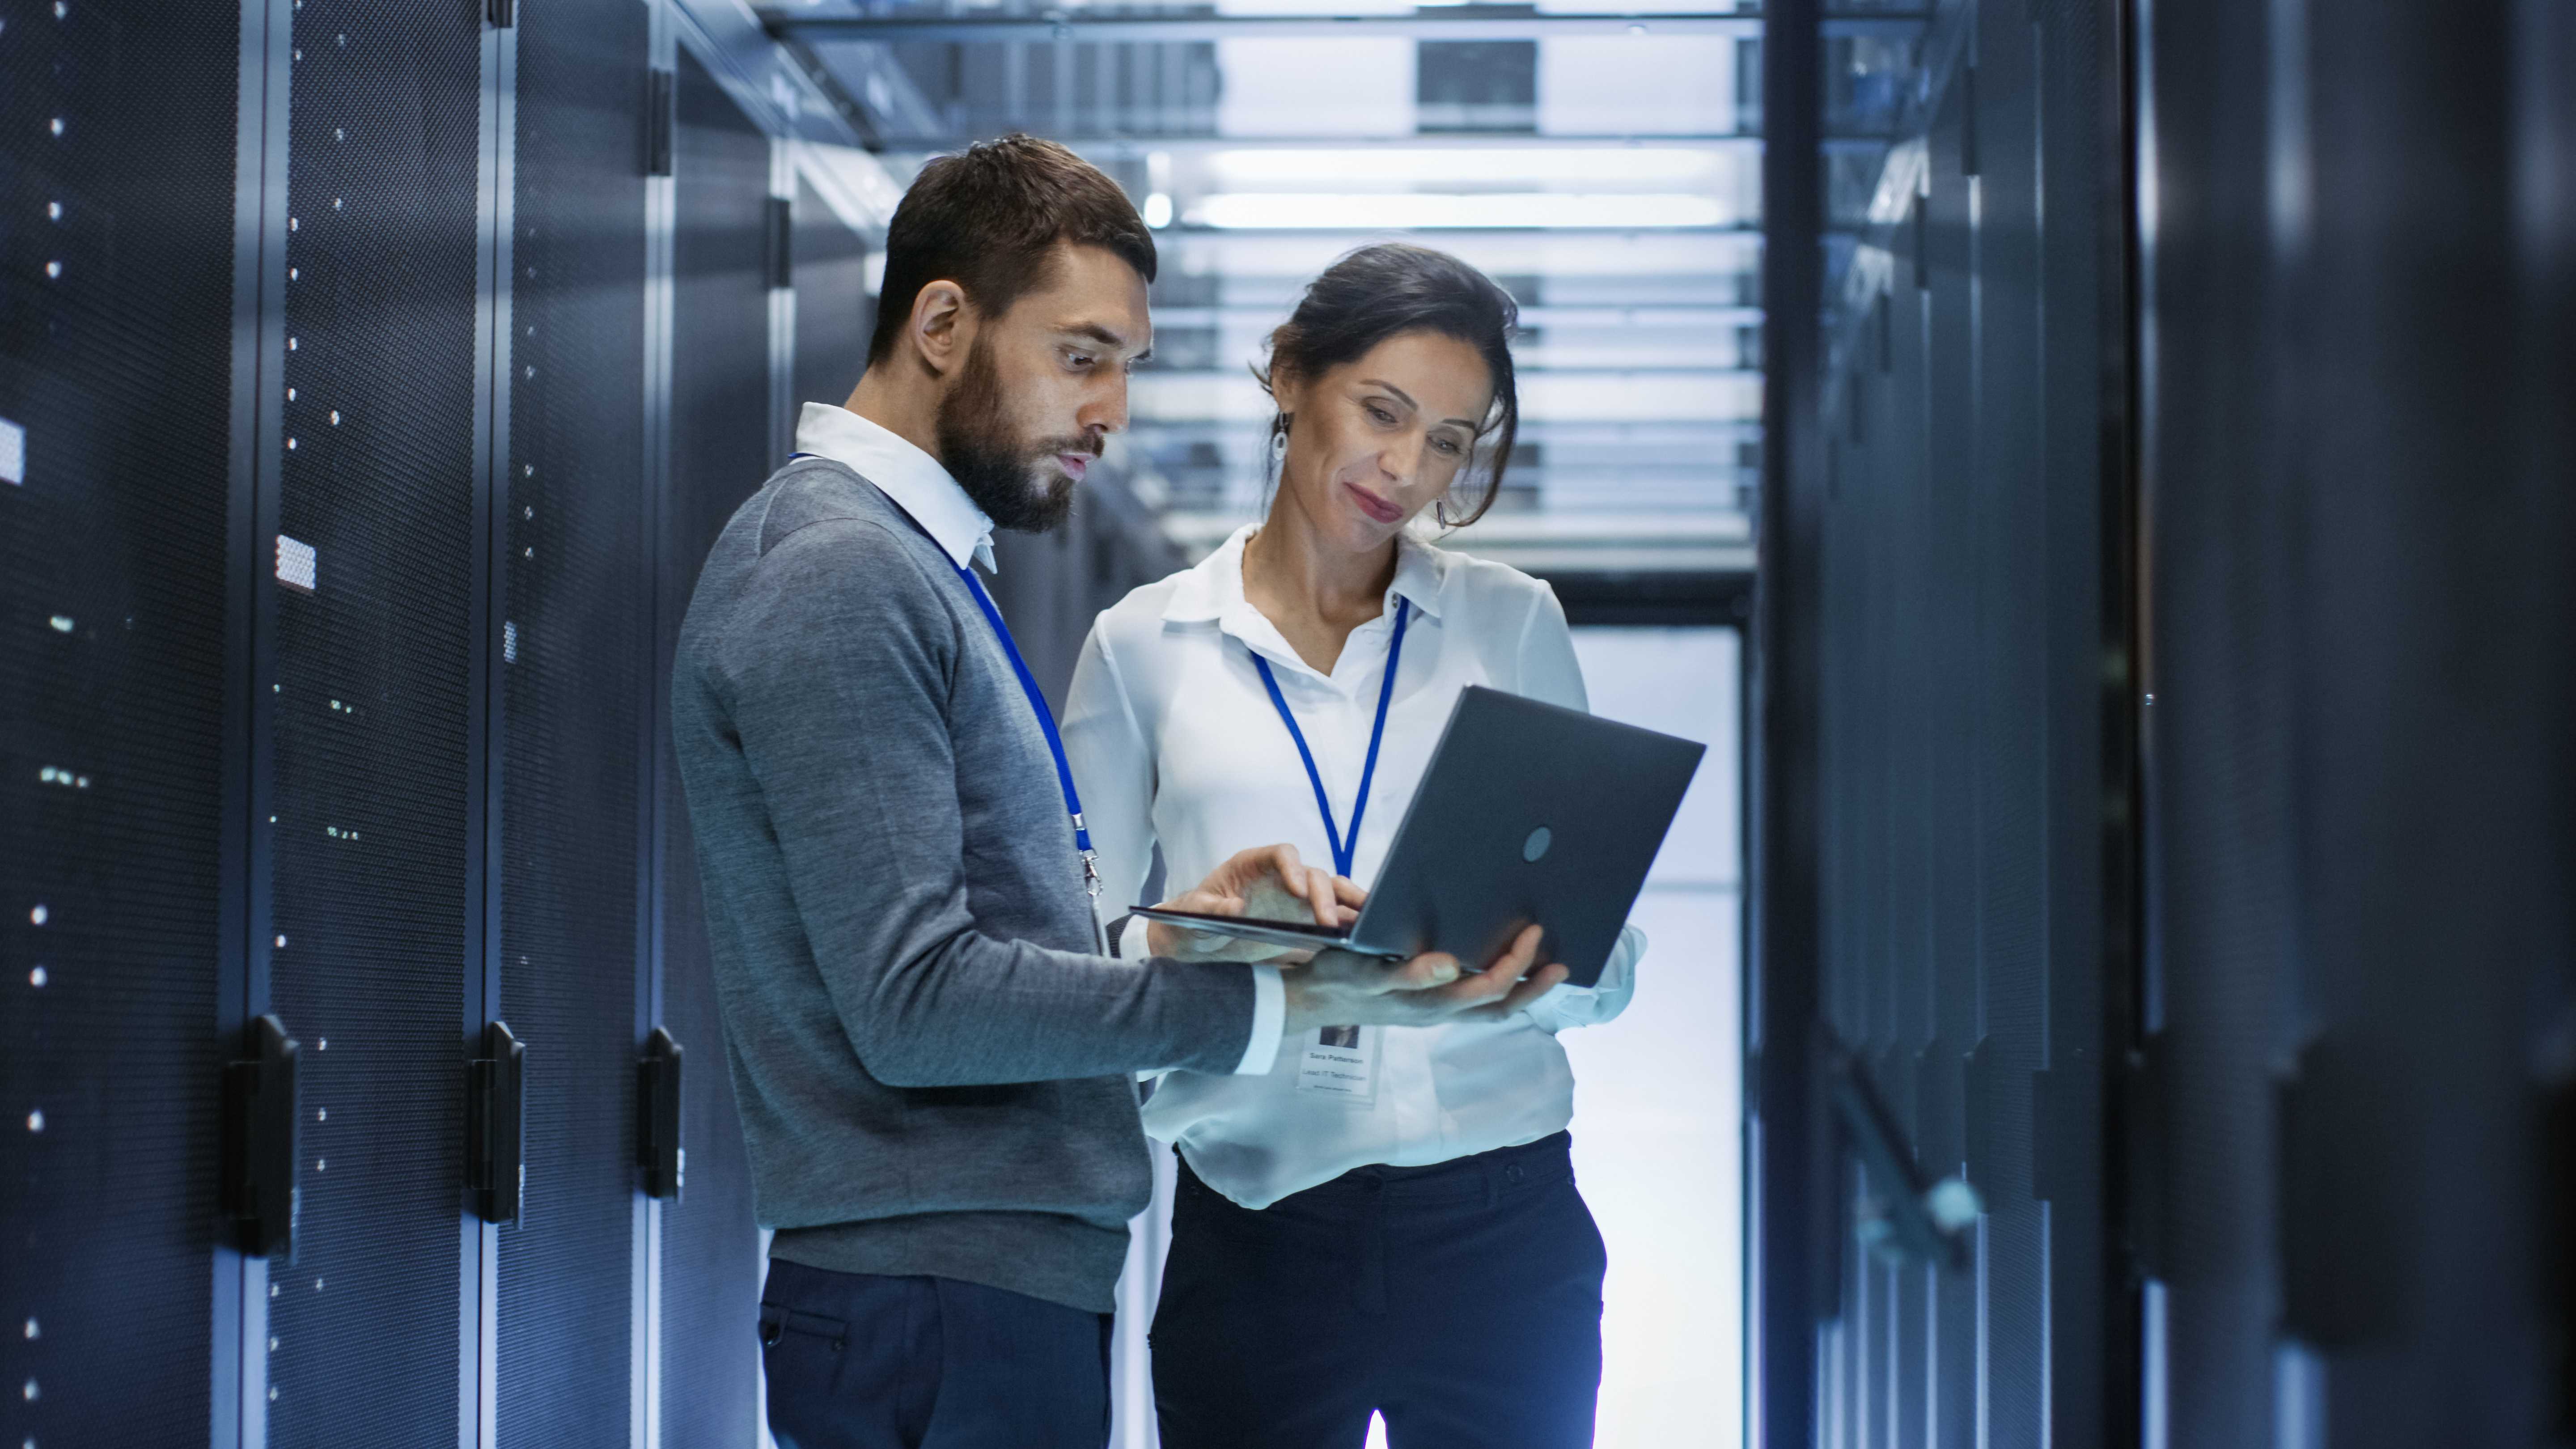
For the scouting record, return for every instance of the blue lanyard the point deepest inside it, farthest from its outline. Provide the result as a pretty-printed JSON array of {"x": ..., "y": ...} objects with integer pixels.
[
  {"x": 1046, "y": 722},
  {"x": 1037, "y": 703},
  {"x": 1344, "y": 849}
]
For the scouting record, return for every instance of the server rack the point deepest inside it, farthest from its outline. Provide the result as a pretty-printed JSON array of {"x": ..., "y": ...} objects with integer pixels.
[
  {"x": 720, "y": 451},
  {"x": 571, "y": 671},
  {"x": 2356, "y": 456},
  {"x": 2195, "y": 733},
  {"x": 118, "y": 719},
  {"x": 1976, "y": 866},
  {"x": 346, "y": 879}
]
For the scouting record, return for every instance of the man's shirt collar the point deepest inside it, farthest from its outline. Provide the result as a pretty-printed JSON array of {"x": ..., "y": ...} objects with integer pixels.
[{"x": 912, "y": 478}]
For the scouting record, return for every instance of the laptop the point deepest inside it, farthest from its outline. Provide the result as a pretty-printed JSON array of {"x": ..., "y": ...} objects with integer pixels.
[{"x": 1529, "y": 812}]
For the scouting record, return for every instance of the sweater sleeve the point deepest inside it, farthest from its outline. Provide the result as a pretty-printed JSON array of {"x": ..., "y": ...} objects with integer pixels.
[{"x": 836, "y": 668}]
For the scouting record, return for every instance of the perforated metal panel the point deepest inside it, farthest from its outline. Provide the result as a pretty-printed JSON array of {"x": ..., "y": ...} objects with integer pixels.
[
  {"x": 115, "y": 329},
  {"x": 1969, "y": 858},
  {"x": 835, "y": 315},
  {"x": 371, "y": 704},
  {"x": 576, "y": 607},
  {"x": 2363, "y": 732},
  {"x": 719, "y": 456}
]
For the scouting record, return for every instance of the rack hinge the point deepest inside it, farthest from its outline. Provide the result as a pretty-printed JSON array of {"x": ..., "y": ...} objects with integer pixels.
[
  {"x": 782, "y": 242},
  {"x": 660, "y": 92},
  {"x": 2558, "y": 1176},
  {"x": 2342, "y": 1243},
  {"x": 1967, "y": 120},
  {"x": 2142, "y": 1110},
  {"x": 260, "y": 1143},
  {"x": 496, "y": 1171},
  {"x": 658, "y": 1149},
  {"x": 1940, "y": 1134},
  {"x": 1977, "y": 1113}
]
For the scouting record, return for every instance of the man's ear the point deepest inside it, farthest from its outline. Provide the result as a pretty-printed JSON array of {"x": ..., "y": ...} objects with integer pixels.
[{"x": 942, "y": 329}]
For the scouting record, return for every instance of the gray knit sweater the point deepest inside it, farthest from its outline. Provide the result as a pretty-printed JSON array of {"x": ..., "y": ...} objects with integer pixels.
[{"x": 933, "y": 1073}]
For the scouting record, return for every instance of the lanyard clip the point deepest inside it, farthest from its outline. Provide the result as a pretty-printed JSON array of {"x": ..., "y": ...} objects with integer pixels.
[{"x": 1091, "y": 873}]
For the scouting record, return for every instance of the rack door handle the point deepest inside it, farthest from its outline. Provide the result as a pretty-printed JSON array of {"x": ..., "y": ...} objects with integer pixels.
[
  {"x": 496, "y": 1169},
  {"x": 261, "y": 1117}
]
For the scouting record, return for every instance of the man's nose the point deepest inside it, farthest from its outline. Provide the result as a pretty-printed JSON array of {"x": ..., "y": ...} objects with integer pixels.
[{"x": 1106, "y": 411}]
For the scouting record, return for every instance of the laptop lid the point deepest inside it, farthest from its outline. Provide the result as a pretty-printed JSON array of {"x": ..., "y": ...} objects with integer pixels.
[{"x": 1529, "y": 812}]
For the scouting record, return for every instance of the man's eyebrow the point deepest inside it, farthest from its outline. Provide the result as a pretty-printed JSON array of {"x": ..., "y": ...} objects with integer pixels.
[{"x": 1097, "y": 333}]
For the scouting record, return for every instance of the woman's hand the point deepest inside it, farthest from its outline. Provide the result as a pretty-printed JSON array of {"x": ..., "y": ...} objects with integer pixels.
[
  {"x": 1265, "y": 884},
  {"x": 1341, "y": 989}
]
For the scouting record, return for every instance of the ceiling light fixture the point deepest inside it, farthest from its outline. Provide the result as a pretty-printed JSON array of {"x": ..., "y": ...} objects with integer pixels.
[{"x": 1411, "y": 211}]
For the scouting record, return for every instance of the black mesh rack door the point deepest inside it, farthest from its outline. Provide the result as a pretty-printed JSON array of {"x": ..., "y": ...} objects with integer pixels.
[
  {"x": 575, "y": 607},
  {"x": 115, "y": 367},
  {"x": 720, "y": 400},
  {"x": 373, "y": 586}
]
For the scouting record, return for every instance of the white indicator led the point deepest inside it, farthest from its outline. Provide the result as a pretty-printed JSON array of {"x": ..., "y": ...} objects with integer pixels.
[
  {"x": 297, "y": 564},
  {"x": 13, "y": 452}
]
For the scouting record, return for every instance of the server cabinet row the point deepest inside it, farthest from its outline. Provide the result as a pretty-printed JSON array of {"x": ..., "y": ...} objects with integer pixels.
[
  {"x": 2195, "y": 732},
  {"x": 372, "y": 378},
  {"x": 1972, "y": 871},
  {"x": 2355, "y": 453}
]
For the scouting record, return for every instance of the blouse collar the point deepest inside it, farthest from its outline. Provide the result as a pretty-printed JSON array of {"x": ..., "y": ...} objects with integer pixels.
[{"x": 1213, "y": 591}]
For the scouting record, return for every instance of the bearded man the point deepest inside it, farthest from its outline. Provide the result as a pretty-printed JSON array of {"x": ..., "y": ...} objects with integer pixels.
[{"x": 934, "y": 1062}]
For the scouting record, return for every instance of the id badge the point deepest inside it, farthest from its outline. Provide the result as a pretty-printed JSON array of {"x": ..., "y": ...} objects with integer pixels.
[{"x": 1340, "y": 1061}]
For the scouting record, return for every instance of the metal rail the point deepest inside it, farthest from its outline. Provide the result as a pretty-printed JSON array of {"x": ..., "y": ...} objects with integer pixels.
[{"x": 1079, "y": 25}]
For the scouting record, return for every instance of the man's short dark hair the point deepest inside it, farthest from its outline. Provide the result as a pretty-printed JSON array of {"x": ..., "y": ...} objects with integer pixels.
[{"x": 989, "y": 219}]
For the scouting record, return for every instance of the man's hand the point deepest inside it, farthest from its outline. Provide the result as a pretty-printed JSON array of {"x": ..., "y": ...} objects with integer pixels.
[
  {"x": 1267, "y": 884},
  {"x": 1340, "y": 989}
]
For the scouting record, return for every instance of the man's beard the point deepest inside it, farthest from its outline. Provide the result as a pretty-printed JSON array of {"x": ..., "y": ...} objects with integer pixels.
[{"x": 998, "y": 470}]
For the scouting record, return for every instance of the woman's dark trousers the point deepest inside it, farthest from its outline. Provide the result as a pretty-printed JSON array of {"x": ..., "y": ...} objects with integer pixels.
[{"x": 1462, "y": 1301}]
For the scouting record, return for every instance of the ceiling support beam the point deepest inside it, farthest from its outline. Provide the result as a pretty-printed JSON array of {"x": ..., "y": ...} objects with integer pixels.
[{"x": 1080, "y": 25}]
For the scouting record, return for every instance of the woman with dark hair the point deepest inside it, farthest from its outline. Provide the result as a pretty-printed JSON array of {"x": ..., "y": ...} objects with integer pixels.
[{"x": 1385, "y": 1222}]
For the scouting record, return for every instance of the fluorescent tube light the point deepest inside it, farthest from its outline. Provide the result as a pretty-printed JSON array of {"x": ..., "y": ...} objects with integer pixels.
[
  {"x": 1340, "y": 166},
  {"x": 1412, "y": 211}
]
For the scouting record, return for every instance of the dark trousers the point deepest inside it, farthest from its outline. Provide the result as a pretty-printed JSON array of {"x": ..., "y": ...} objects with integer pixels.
[
  {"x": 858, "y": 1361},
  {"x": 1462, "y": 1301}
]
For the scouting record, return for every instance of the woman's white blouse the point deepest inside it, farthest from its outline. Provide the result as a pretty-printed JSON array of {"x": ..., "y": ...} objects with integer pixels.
[{"x": 1174, "y": 741}]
